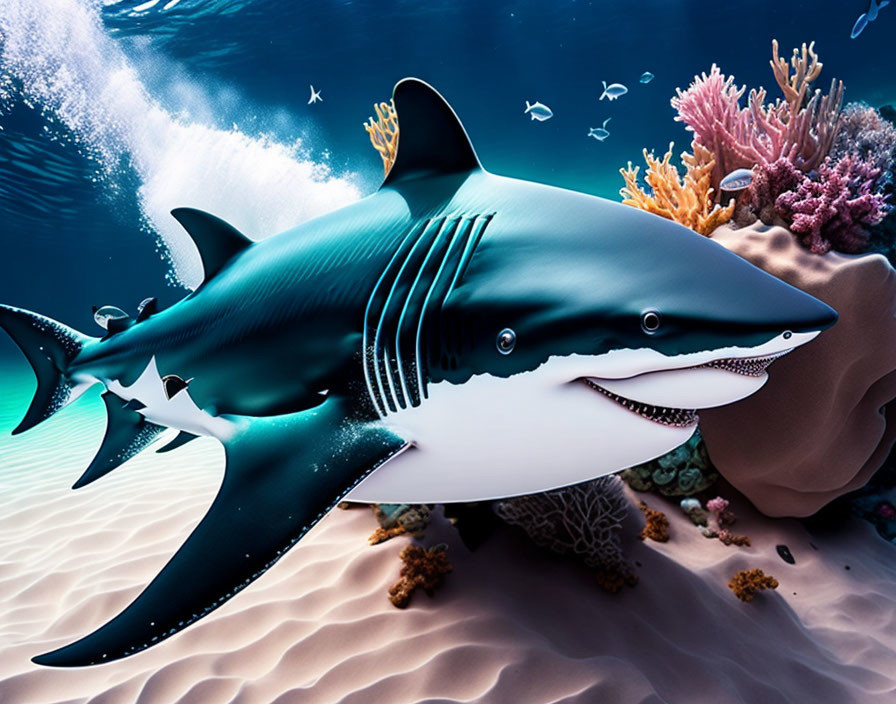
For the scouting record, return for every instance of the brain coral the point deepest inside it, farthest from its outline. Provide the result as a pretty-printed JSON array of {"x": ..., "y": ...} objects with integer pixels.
[{"x": 819, "y": 427}]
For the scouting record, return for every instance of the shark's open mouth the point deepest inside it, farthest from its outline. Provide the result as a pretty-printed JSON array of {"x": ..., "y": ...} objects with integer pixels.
[
  {"x": 677, "y": 417},
  {"x": 747, "y": 366},
  {"x": 685, "y": 417}
]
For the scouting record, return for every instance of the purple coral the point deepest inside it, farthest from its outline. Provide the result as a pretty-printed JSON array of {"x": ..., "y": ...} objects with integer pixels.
[
  {"x": 864, "y": 133},
  {"x": 583, "y": 521},
  {"x": 769, "y": 182},
  {"x": 833, "y": 209}
]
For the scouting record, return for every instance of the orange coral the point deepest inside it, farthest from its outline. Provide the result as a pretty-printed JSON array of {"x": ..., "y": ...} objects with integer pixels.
[
  {"x": 383, "y": 132},
  {"x": 806, "y": 68},
  {"x": 748, "y": 583},
  {"x": 381, "y": 535},
  {"x": 688, "y": 201},
  {"x": 422, "y": 568},
  {"x": 657, "y": 525},
  {"x": 729, "y": 538}
]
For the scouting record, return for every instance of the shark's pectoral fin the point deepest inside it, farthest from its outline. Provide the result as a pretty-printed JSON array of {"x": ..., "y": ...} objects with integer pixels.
[
  {"x": 127, "y": 434},
  {"x": 283, "y": 474}
]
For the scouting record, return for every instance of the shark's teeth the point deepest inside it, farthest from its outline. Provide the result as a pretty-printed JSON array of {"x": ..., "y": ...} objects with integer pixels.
[
  {"x": 747, "y": 366},
  {"x": 676, "y": 417}
]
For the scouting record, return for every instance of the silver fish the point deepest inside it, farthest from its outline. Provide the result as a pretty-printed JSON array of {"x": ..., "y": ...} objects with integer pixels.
[
  {"x": 737, "y": 180},
  {"x": 599, "y": 133},
  {"x": 538, "y": 111}
]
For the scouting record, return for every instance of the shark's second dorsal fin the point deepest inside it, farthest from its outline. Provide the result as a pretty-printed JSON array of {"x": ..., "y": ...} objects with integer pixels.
[
  {"x": 217, "y": 241},
  {"x": 431, "y": 139}
]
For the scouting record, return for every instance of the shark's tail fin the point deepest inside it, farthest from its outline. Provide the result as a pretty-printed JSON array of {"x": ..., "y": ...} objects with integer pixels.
[
  {"x": 50, "y": 348},
  {"x": 604, "y": 94},
  {"x": 528, "y": 106}
]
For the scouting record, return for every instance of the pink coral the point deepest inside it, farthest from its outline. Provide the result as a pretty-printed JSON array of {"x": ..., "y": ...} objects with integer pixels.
[
  {"x": 831, "y": 210},
  {"x": 760, "y": 133},
  {"x": 717, "y": 505}
]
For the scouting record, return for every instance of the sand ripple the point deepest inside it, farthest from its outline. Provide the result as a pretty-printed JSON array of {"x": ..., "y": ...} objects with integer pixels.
[{"x": 511, "y": 625}]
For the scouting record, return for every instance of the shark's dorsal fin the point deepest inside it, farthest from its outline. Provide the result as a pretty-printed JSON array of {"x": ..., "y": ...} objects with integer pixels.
[
  {"x": 217, "y": 241},
  {"x": 431, "y": 139}
]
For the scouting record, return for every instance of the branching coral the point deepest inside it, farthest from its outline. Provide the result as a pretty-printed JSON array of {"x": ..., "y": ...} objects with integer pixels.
[
  {"x": 746, "y": 584},
  {"x": 864, "y": 133},
  {"x": 581, "y": 521},
  {"x": 422, "y": 569},
  {"x": 834, "y": 209},
  {"x": 769, "y": 182},
  {"x": 684, "y": 471},
  {"x": 657, "y": 524},
  {"x": 759, "y": 133},
  {"x": 383, "y": 132},
  {"x": 688, "y": 201}
]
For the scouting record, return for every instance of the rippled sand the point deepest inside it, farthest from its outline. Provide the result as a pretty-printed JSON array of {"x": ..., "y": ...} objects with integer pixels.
[{"x": 511, "y": 624}]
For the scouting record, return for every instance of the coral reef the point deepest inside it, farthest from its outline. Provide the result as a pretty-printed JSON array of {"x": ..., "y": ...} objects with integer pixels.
[
  {"x": 863, "y": 132},
  {"x": 835, "y": 208},
  {"x": 688, "y": 201},
  {"x": 746, "y": 584},
  {"x": 823, "y": 424},
  {"x": 399, "y": 519},
  {"x": 656, "y": 526},
  {"x": 581, "y": 521},
  {"x": 422, "y": 569},
  {"x": 383, "y": 131},
  {"x": 684, "y": 471},
  {"x": 798, "y": 128},
  {"x": 832, "y": 208}
]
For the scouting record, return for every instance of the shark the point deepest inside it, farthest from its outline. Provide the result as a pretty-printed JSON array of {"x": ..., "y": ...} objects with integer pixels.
[{"x": 455, "y": 336}]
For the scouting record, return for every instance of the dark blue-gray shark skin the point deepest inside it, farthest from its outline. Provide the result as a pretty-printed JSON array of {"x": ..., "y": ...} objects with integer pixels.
[{"x": 294, "y": 348}]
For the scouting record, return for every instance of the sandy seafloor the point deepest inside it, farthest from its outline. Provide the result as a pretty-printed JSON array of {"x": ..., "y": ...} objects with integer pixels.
[{"x": 512, "y": 623}]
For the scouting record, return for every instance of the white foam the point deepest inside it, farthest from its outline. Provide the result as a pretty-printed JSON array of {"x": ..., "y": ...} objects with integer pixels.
[{"x": 69, "y": 66}]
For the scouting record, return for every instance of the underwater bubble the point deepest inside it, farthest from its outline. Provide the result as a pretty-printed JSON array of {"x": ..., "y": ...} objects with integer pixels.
[{"x": 104, "y": 314}]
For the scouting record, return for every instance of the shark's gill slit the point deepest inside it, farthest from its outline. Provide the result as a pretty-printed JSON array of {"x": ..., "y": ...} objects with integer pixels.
[
  {"x": 387, "y": 327},
  {"x": 456, "y": 243},
  {"x": 372, "y": 312},
  {"x": 410, "y": 311},
  {"x": 411, "y": 290}
]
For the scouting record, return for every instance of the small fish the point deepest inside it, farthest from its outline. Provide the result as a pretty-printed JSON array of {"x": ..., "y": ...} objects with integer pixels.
[
  {"x": 646, "y": 77},
  {"x": 613, "y": 91},
  {"x": 538, "y": 111},
  {"x": 315, "y": 96},
  {"x": 737, "y": 180},
  {"x": 599, "y": 133},
  {"x": 867, "y": 17}
]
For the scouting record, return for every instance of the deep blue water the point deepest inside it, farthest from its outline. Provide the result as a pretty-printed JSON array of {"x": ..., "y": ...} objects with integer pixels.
[{"x": 101, "y": 109}]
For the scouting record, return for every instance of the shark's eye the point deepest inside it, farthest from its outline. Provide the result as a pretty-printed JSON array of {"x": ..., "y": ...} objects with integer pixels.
[
  {"x": 506, "y": 341},
  {"x": 650, "y": 322}
]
